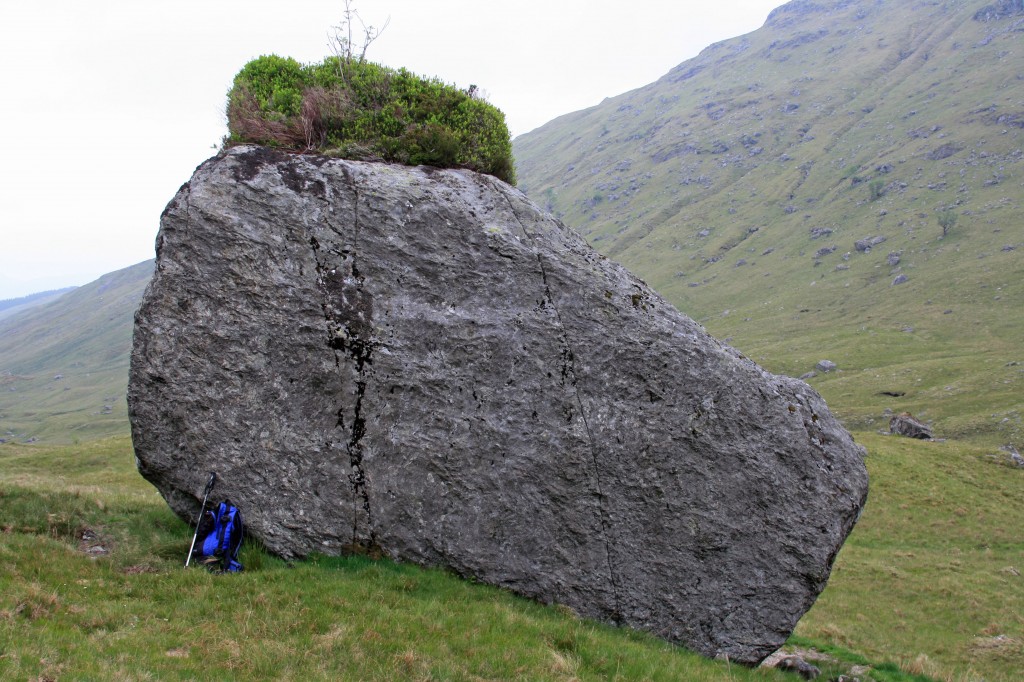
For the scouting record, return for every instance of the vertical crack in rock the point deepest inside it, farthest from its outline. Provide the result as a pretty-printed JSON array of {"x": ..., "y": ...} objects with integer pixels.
[
  {"x": 348, "y": 317},
  {"x": 357, "y": 341},
  {"x": 568, "y": 373}
]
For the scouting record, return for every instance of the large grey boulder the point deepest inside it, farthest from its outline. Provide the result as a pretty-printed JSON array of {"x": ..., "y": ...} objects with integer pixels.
[{"x": 422, "y": 363}]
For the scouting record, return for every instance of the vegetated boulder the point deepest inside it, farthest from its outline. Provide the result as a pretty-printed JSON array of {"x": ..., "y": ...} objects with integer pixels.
[
  {"x": 905, "y": 424},
  {"x": 421, "y": 363}
]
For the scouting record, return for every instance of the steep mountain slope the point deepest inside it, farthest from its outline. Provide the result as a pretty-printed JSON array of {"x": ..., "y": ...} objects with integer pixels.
[
  {"x": 64, "y": 364},
  {"x": 786, "y": 188},
  {"x": 13, "y": 306}
]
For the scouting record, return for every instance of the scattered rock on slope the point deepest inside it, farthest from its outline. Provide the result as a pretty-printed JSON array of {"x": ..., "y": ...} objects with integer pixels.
[
  {"x": 1000, "y": 10},
  {"x": 865, "y": 245},
  {"x": 421, "y": 362},
  {"x": 905, "y": 424}
]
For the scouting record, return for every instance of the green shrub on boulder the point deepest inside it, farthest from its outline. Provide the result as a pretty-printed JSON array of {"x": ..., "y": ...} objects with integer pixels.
[{"x": 361, "y": 110}]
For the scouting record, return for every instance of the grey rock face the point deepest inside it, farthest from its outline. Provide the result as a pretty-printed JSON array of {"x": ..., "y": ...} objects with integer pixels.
[
  {"x": 865, "y": 245},
  {"x": 826, "y": 366},
  {"x": 905, "y": 424},
  {"x": 422, "y": 362}
]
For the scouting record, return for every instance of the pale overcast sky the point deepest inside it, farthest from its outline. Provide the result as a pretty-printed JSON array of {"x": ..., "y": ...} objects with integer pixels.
[{"x": 109, "y": 105}]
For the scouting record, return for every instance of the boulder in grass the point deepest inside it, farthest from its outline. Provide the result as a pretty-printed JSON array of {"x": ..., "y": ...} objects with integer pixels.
[
  {"x": 420, "y": 363},
  {"x": 905, "y": 424}
]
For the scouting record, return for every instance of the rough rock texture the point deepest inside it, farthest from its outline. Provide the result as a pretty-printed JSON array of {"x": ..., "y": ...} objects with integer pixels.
[
  {"x": 905, "y": 424},
  {"x": 422, "y": 363}
]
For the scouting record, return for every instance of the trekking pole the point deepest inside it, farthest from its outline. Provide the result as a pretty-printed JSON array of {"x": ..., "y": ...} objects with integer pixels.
[{"x": 206, "y": 495}]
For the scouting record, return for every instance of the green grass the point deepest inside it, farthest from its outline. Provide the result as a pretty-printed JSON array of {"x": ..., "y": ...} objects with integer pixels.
[
  {"x": 928, "y": 584},
  {"x": 132, "y": 612},
  {"x": 931, "y": 577}
]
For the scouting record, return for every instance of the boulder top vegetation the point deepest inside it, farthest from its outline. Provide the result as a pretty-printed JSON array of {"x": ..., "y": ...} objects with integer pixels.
[{"x": 356, "y": 109}]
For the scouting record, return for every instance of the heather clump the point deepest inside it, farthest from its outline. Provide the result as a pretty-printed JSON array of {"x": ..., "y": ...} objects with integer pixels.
[{"x": 355, "y": 109}]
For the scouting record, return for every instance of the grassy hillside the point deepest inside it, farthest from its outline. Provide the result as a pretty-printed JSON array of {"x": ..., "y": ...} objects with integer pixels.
[
  {"x": 739, "y": 184},
  {"x": 64, "y": 364},
  {"x": 92, "y": 588},
  {"x": 13, "y": 306}
]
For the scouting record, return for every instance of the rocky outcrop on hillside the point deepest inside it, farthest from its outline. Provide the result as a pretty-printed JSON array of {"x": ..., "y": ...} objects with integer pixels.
[
  {"x": 420, "y": 363},
  {"x": 1000, "y": 10},
  {"x": 905, "y": 424}
]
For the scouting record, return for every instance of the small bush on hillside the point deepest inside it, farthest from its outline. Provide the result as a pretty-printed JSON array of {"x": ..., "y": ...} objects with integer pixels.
[
  {"x": 947, "y": 220},
  {"x": 876, "y": 189},
  {"x": 361, "y": 110}
]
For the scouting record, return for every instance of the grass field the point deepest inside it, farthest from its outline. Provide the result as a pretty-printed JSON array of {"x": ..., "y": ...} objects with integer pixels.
[
  {"x": 119, "y": 605},
  {"x": 92, "y": 587},
  {"x": 931, "y": 576}
]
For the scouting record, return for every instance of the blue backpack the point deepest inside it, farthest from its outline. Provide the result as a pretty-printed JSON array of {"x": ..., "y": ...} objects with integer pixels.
[{"x": 220, "y": 537}]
